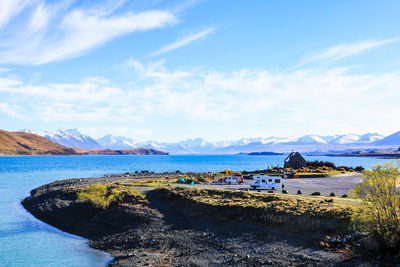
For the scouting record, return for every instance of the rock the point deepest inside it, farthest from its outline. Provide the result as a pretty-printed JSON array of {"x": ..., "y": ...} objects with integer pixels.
[
  {"x": 344, "y": 196},
  {"x": 316, "y": 194},
  {"x": 332, "y": 194},
  {"x": 369, "y": 244},
  {"x": 299, "y": 192},
  {"x": 329, "y": 200}
]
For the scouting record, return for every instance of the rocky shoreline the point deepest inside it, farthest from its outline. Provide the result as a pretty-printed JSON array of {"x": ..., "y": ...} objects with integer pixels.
[{"x": 170, "y": 233}]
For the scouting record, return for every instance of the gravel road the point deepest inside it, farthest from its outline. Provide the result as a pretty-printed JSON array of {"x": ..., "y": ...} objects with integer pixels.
[{"x": 339, "y": 185}]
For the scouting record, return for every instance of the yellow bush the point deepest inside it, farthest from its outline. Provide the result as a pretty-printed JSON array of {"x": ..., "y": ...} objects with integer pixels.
[
  {"x": 379, "y": 214},
  {"x": 102, "y": 196}
]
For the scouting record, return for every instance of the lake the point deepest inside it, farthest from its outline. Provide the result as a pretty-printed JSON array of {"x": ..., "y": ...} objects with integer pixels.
[{"x": 26, "y": 241}]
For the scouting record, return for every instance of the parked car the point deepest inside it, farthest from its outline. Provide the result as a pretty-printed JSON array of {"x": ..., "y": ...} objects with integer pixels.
[{"x": 235, "y": 179}]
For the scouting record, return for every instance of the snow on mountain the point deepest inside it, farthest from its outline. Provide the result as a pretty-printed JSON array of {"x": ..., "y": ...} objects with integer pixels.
[
  {"x": 28, "y": 131},
  {"x": 68, "y": 137},
  {"x": 311, "y": 139},
  {"x": 353, "y": 138},
  {"x": 346, "y": 139},
  {"x": 370, "y": 137},
  {"x": 116, "y": 142},
  {"x": 73, "y": 138}
]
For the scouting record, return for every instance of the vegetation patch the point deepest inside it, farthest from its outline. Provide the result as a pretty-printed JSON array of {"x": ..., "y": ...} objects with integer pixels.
[
  {"x": 264, "y": 208},
  {"x": 197, "y": 178},
  {"x": 102, "y": 196},
  {"x": 379, "y": 213}
]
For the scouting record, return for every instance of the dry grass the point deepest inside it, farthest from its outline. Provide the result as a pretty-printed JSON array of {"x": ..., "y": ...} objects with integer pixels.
[
  {"x": 284, "y": 204},
  {"x": 103, "y": 196}
]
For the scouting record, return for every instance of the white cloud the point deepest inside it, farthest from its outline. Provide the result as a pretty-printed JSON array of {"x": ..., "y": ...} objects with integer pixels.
[
  {"x": 11, "y": 110},
  {"x": 290, "y": 103},
  {"x": 9, "y": 9},
  {"x": 55, "y": 32},
  {"x": 184, "y": 41},
  {"x": 342, "y": 51}
]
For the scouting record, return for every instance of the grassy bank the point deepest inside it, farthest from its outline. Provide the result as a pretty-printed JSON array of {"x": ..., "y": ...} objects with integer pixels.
[{"x": 304, "y": 212}]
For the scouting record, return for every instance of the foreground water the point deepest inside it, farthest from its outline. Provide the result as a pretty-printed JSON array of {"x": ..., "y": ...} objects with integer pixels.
[{"x": 26, "y": 241}]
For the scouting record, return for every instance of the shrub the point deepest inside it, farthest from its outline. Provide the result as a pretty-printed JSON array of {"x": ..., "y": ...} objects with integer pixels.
[
  {"x": 101, "y": 196},
  {"x": 317, "y": 163},
  {"x": 379, "y": 214},
  {"x": 359, "y": 169}
]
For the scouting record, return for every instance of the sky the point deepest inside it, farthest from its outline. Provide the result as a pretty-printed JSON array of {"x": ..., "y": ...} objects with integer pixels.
[{"x": 220, "y": 70}]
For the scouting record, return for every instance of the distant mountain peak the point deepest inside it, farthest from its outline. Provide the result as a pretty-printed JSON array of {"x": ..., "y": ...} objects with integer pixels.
[
  {"x": 68, "y": 137},
  {"x": 198, "y": 145}
]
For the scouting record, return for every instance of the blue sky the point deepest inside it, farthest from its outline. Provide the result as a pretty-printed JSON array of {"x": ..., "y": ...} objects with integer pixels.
[{"x": 171, "y": 70}]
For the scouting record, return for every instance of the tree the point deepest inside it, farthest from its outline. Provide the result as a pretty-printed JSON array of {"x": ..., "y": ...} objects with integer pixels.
[{"x": 379, "y": 214}]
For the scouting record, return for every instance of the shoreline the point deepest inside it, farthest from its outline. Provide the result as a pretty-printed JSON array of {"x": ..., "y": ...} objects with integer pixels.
[{"x": 172, "y": 233}]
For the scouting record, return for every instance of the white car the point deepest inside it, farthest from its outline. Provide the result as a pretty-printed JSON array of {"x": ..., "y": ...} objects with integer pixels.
[
  {"x": 267, "y": 182},
  {"x": 235, "y": 179}
]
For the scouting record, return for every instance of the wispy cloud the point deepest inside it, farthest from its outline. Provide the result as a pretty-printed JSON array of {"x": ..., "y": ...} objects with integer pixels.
[
  {"x": 184, "y": 41},
  {"x": 11, "y": 110},
  {"x": 9, "y": 9},
  {"x": 245, "y": 96},
  {"x": 342, "y": 51},
  {"x": 50, "y": 32}
]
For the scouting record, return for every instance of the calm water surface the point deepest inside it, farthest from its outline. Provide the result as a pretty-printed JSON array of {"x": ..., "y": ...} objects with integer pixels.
[{"x": 25, "y": 241}]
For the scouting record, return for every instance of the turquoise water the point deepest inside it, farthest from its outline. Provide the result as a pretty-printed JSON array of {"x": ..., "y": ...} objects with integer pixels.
[{"x": 25, "y": 241}]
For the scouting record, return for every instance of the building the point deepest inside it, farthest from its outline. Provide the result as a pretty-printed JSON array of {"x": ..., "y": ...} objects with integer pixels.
[{"x": 295, "y": 161}]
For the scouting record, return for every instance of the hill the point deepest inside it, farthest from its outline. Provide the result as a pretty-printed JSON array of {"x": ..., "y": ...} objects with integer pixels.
[{"x": 17, "y": 143}]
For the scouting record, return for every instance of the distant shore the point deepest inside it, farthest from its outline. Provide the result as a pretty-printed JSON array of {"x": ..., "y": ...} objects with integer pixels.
[{"x": 377, "y": 154}]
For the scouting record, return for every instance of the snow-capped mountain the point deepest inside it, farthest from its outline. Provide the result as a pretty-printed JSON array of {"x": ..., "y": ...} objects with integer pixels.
[
  {"x": 116, "y": 142},
  {"x": 68, "y": 137},
  {"x": 353, "y": 138},
  {"x": 307, "y": 143}
]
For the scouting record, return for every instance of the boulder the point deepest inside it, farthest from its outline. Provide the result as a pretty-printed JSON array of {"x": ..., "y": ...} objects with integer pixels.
[
  {"x": 299, "y": 192},
  {"x": 332, "y": 194},
  {"x": 316, "y": 194}
]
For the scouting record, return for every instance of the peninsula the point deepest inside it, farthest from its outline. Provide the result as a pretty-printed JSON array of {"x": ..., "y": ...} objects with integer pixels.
[{"x": 146, "y": 219}]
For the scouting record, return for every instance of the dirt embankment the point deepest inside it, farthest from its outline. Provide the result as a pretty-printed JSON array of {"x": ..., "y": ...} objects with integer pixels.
[{"x": 164, "y": 232}]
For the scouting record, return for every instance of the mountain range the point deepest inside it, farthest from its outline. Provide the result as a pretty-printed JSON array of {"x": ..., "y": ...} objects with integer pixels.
[{"x": 307, "y": 143}]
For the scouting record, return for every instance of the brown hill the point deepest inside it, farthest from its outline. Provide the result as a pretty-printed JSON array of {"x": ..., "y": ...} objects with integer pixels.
[
  {"x": 135, "y": 151},
  {"x": 15, "y": 143}
]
